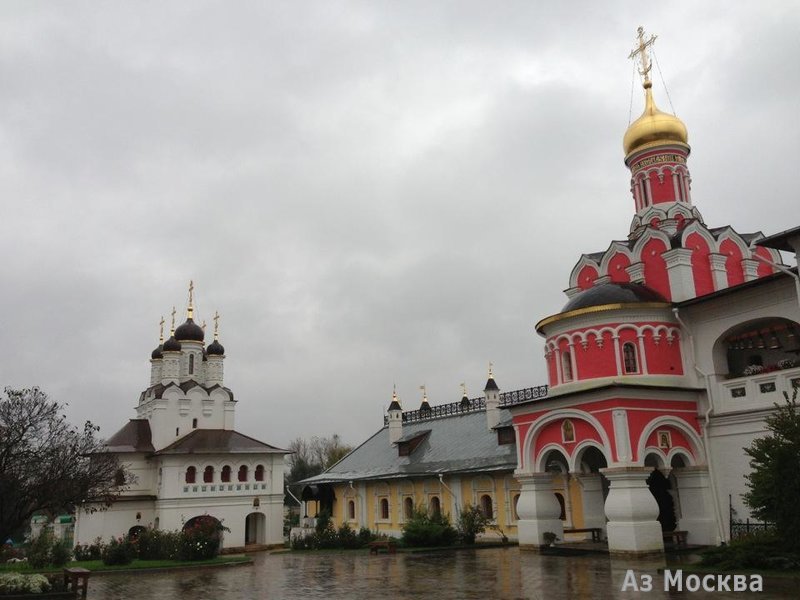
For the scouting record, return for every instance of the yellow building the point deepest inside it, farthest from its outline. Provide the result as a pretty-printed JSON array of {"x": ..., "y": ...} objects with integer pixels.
[{"x": 441, "y": 458}]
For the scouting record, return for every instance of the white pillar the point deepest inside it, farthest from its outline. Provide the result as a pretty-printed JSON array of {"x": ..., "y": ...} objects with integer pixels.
[
  {"x": 538, "y": 510},
  {"x": 632, "y": 513},
  {"x": 681, "y": 276},
  {"x": 696, "y": 508},
  {"x": 719, "y": 270}
]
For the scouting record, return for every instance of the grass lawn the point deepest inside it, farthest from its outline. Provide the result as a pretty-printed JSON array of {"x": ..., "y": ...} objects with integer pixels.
[{"x": 97, "y": 565}]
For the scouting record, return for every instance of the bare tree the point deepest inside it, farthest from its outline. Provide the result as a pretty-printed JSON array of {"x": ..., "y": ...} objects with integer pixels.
[{"x": 46, "y": 464}]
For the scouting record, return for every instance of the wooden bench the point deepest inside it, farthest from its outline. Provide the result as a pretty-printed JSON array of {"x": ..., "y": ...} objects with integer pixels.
[
  {"x": 77, "y": 578},
  {"x": 388, "y": 545},
  {"x": 676, "y": 537},
  {"x": 595, "y": 531}
]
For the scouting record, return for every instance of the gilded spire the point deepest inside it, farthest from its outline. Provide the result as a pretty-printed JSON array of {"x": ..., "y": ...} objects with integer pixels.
[
  {"x": 161, "y": 330},
  {"x": 216, "y": 325},
  {"x": 491, "y": 375},
  {"x": 463, "y": 390},
  {"x": 190, "y": 309},
  {"x": 424, "y": 392}
]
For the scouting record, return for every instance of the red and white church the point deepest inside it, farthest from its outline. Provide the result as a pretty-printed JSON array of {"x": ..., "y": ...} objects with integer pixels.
[{"x": 672, "y": 348}]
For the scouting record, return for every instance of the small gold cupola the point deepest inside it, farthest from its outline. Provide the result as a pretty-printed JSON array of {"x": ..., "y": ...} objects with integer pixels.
[{"x": 654, "y": 127}]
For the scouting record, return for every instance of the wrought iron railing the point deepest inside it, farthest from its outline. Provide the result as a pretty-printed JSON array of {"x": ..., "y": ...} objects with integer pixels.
[
  {"x": 743, "y": 528},
  {"x": 472, "y": 405},
  {"x": 517, "y": 396}
]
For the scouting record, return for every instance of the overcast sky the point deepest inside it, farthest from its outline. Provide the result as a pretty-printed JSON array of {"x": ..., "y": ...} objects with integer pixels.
[{"x": 370, "y": 193}]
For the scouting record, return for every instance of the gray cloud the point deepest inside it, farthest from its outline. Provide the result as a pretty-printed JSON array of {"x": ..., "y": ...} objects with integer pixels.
[{"x": 369, "y": 192}]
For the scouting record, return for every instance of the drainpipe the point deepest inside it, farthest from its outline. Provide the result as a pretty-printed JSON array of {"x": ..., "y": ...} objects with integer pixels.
[
  {"x": 705, "y": 376},
  {"x": 452, "y": 494}
]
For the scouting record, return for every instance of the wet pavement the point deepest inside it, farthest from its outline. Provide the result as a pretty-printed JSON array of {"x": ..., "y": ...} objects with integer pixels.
[{"x": 465, "y": 574}]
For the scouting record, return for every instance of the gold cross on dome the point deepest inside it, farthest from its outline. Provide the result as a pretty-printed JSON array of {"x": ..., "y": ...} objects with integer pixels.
[
  {"x": 643, "y": 55},
  {"x": 216, "y": 324},
  {"x": 173, "y": 319},
  {"x": 161, "y": 329}
]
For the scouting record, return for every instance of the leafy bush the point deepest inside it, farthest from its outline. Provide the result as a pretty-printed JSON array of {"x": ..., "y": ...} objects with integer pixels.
[
  {"x": 40, "y": 548},
  {"x": 348, "y": 538},
  {"x": 758, "y": 550},
  {"x": 424, "y": 530},
  {"x": 16, "y": 583},
  {"x": 59, "y": 554},
  {"x": 119, "y": 551},
  {"x": 155, "y": 544},
  {"x": 471, "y": 522},
  {"x": 201, "y": 540},
  {"x": 365, "y": 536},
  {"x": 93, "y": 551}
]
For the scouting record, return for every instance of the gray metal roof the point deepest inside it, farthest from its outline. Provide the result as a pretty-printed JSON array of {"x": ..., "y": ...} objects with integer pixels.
[{"x": 455, "y": 444}]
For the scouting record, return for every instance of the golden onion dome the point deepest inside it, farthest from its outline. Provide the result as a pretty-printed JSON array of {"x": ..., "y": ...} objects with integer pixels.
[{"x": 654, "y": 127}]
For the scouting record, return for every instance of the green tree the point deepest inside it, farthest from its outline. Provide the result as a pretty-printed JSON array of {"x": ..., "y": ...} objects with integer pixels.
[
  {"x": 46, "y": 464},
  {"x": 774, "y": 483}
]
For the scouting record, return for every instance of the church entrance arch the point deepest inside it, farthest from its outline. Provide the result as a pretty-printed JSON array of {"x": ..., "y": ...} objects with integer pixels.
[
  {"x": 661, "y": 488},
  {"x": 255, "y": 526},
  {"x": 593, "y": 486},
  {"x": 554, "y": 461}
]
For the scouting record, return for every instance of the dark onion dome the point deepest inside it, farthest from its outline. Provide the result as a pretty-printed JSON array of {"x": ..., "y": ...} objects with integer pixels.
[
  {"x": 215, "y": 349},
  {"x": 172, "y": 345},
  {"x": 490, "y": 385},
  {"x": 189, "y": 332},
  {"x": 612, "y": 293},
  {"x": 156, "y": 354}
]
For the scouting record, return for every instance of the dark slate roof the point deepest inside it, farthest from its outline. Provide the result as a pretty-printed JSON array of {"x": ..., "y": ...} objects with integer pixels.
[
  {"x": 135, "y": 436},
  {"x": 219, "y": 441},
  {"x": 455, "y": 444},
  {"x": 612, "y": 293},
  {"x": 780, "y": 241},
  {"x": 491, "y": 385}
]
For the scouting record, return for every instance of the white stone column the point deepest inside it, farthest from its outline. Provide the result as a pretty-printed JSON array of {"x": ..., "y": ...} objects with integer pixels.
[
  {"x": 636, "y": 272},
  {"x": 632, "y": 513},
  {"x": 750, "y": 268},
  {"x": 696, "y": 508},
  {"x": 719, "y": 270},
  {"x": 593, "y": 504},
  {"x": 681, "y": 277},
  {"x": 538, "y": 510}
]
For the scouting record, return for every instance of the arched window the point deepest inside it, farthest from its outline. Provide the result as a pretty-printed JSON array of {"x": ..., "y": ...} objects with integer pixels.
[
  {"x": 191, "y": 364},
  {"x": 194, "y": 423},
  {"x": 408, "y": 508},
  {"x": 486, "y": 506},
  {"x": 514, "y": 504},
  {"x": 259, "y": 473},
  {"x": 191, "y": 475},
  {"x": 226, "y": 474},
  {"x": 629, "y": 357},
  {"x": 351, "y": 510},
  {"x": 567, "y": 431},
  {"x": 243, "y": 473},
  {"x": 436, "y": 507},
  {"x": 208, "y": 474},
  {"x": 566, "y": 366},
  {"x": 384, "y": 508}
]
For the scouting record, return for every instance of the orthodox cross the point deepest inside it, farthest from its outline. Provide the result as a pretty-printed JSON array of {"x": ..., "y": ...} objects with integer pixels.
[
  {"x": 161, "y": 330},
  {"x": 173, "y": 319},
  {"x": 216, "y": 324},
  {"x": 190, "y": 310},
  {"x": 641, "y": 50}
]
